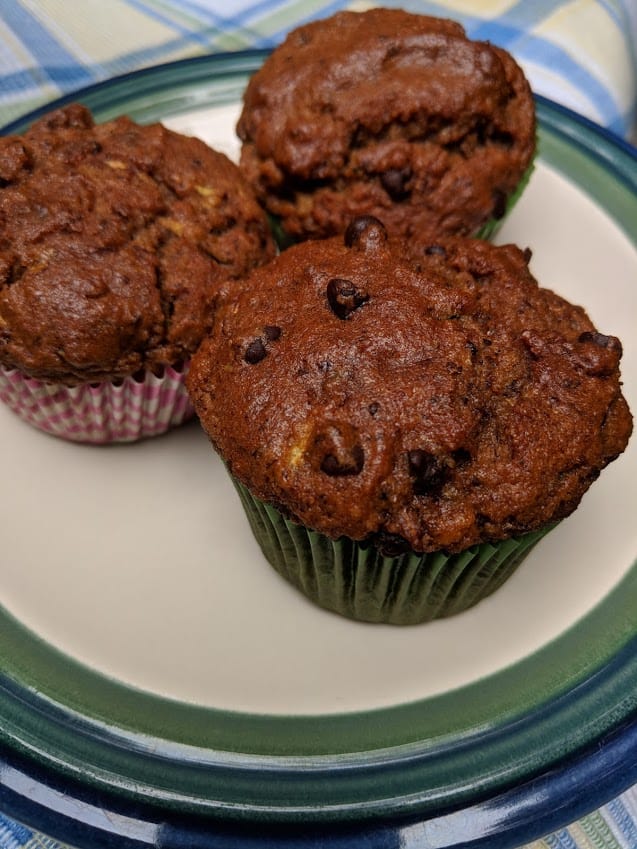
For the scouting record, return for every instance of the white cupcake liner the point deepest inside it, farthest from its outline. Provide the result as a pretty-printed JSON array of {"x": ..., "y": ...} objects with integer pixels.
[{"x": 100, "y": 413}]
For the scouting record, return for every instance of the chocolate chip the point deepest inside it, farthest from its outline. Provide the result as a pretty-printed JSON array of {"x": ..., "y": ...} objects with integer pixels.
[
  {"x": 599, "y": 339},
  {"x": 390, "y": 545},
  {"x": 461, "y": 456},
  {"x": 257, "y": 349},
  {"x": 435, "y": 250},
  {"x": 528, "y": 253},
  {"x": 394, "y": 181},
  {"x": 337, "y": 450},
  {"x": 499, "y": 204},
  {"x": 365, "y": 232},
  {"x": 373, "y": 408},
  {"x": 255, "y": 352},
  {"x": 344, "y": 297},
  {"x": 599, "y": 354},
  {"x": 425, "y": 470},
  {"x": 272, "y": 332}
]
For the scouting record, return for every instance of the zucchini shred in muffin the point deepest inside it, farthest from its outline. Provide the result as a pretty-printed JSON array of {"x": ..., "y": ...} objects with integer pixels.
[
  {"x": 404, "y": 422},
  {"x": 115, "y": 239},
  {"x": 390, "y": 114}
]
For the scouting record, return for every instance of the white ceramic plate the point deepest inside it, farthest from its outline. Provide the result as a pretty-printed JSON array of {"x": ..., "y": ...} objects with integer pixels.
[{"x": 137, "y": 560}]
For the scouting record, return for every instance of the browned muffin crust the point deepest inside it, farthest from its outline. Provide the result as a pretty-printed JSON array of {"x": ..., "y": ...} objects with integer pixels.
[
  {"x": 438, "y": 401},
  {"x": 390, "y": 114},
  {"x": 114, "y": 241}
]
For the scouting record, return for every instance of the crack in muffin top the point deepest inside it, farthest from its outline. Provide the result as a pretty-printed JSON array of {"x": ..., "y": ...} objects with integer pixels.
[
  {"x": 115, "y": 239},
  {"x": 386, "y": 113}
]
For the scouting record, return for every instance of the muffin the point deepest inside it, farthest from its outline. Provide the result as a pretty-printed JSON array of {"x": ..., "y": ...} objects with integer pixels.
[
  {"x": 403, "y": 429},
  {"x": 115, "y": 241},
  {"x": 389, "y": 114}
]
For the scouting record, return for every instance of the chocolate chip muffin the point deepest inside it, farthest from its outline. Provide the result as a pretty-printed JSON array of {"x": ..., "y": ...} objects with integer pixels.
[
  {"x": 390, "y": 114},
  {"x": 403, "y": 428},
  {"x": 115, "y": 239}
]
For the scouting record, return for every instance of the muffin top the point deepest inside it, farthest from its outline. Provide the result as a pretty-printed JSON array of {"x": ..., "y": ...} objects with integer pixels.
[
  {"x": 430, "y": 401},
  {"x": 390, "y": 114},
  {"x": 114, "y": 241}
]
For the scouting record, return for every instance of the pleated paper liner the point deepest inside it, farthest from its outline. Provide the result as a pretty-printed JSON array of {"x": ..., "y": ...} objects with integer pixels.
[
  {"x": 490, "y": 228},
  {"x": 356, "y": 580},
  {"x": 102, "y": 413}
]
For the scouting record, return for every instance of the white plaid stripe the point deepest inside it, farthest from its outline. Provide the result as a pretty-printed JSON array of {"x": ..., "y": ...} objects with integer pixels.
[{"x": 558, "y": 42}]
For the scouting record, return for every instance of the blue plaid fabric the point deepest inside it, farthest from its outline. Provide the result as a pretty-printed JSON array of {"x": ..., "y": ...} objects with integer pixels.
[{"x": 581, "y": 53}]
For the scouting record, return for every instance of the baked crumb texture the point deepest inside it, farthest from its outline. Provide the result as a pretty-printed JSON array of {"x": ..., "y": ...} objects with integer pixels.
[
  {"x": 390, "y": 114},
  {"x": 423, "y": 395},
  {"x": 115, "y": 239}
]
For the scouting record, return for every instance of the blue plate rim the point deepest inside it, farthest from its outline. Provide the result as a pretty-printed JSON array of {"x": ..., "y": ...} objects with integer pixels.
[{"x": 545, "y": 803}]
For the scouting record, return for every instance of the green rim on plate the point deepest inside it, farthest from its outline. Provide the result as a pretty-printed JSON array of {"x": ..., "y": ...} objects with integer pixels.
[{"x": 423, "y": 756}]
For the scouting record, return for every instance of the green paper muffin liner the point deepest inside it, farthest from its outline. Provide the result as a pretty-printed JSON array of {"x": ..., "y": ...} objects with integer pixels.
[
  {"x": 491, "y": 227},
  {"x": 356, "y": 580},
  {"x": 486, "y": 232}
]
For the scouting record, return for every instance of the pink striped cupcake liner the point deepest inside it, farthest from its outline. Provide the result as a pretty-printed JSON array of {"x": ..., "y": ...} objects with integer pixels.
[{"x": 102, "y": 413}]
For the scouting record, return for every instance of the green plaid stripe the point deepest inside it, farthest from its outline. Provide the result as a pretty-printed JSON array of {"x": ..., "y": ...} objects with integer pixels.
[{"x": 54, "y": 47}]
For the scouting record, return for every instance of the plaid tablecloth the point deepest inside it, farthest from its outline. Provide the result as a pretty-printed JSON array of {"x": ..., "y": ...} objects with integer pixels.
[{"x": 582, "y": 53}]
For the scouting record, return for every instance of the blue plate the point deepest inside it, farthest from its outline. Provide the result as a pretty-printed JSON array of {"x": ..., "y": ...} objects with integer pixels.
[{"x": 498, "y": 761}]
